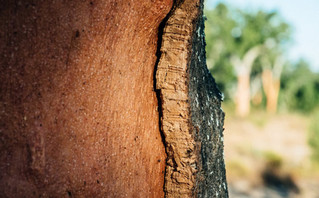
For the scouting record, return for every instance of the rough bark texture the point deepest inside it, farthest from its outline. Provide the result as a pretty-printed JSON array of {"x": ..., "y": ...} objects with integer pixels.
[
  {"x": 78, "y": 114},
  {"x": 192, "y": 120}
]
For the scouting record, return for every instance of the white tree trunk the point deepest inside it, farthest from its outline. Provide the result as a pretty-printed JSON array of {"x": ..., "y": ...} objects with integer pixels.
[{"x": 243, "y": 69}]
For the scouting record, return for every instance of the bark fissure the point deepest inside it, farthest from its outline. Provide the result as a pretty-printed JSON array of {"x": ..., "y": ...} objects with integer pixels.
[
  {"x": 172, "y": 84},
  {"x": 157, "y": 92},
  {"x": 191, "y": 119},
  {"x": 158, "y": 55}
]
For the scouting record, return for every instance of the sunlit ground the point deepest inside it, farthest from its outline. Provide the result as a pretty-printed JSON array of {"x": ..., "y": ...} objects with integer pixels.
[{"x": 269, "y": 155}]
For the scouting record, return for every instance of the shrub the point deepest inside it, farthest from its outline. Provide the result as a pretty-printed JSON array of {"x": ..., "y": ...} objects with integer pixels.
[{"x": 313, "y": 138}]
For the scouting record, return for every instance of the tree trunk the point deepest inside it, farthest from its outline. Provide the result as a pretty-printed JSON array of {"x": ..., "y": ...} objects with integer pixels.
[
  {"x": 243, "y": 69},
  {"x": 79, "y": 113},
  {"x": 271, "y": 87},
  {"x": 243, "y": 95}
]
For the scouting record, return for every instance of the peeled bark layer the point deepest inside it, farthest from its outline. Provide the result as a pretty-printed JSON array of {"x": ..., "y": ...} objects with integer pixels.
[
  {"x": 78, "y": 112},
  {"x": 192, "y": 120}
]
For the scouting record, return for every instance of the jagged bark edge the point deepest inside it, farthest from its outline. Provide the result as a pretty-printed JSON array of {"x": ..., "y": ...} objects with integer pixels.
[
  {"x": 172, "y": 79},
  {"x": 181, "y": 52}
]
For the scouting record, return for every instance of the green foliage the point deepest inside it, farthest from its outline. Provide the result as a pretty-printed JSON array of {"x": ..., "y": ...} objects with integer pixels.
[
  {"x": 313, "y": 138},
  {"x": 220, "y": 45},
  {"x": 237, "y": 168},
  {"x": 260, "y": 27},
  {"x": 300, "y": 88},
  {"x": 232, "y": 32},
  {"x": 273, "y": 159}
]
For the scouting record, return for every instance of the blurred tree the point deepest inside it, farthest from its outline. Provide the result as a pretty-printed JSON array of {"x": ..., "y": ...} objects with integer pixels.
[
  {"x": 243, "y": 69},
  {"x": 300, "y": 87},
  {"x": 235, "y": 39},
  {"x": 220, "y": 46},
  {"x": 272, "y": 68},
  {"x": 313, "y": 137}
]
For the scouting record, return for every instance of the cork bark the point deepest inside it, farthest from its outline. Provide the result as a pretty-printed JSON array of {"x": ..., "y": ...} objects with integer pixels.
[{"x": 192, "y": 119}]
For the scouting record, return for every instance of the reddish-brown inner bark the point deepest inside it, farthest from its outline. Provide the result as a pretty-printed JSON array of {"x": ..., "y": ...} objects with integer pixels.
[{"x": 78, "y": 111}]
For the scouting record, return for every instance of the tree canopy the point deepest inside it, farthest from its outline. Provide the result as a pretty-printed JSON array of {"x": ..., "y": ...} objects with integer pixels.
[{"x": 233, "y": 33}]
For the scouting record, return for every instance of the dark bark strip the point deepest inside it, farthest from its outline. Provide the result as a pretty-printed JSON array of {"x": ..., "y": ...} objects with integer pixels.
[{"x": 192, "y": 119}]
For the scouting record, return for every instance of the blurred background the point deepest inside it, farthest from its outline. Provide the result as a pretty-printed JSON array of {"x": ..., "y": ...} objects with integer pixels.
[{"x": 264, "y": 58}]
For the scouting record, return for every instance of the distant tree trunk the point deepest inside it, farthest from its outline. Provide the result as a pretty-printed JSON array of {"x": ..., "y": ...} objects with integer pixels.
[
  {"x": 271, "y": 87},
  {"x": 271, "y": 83},
  {"x": 243, "y": 95},
  {"x": 79, "y": 113},
  {"x": 243, "y": 68},
  {"x": 256, "y": 90}
]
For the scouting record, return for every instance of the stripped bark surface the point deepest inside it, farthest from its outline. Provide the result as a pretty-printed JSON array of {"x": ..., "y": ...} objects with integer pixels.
[{"x": 78, "y": 114}]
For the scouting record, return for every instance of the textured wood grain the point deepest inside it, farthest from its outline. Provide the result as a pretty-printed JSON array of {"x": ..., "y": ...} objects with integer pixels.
[
  {"x": 172, "y": 81},
  {"x": 192, "y": 119}
]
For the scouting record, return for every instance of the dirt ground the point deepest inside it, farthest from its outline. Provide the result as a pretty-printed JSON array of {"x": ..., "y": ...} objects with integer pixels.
[{"x": 268, "y": 156}]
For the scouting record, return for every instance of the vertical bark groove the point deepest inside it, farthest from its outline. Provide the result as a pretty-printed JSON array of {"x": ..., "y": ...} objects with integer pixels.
[
  {"x": 172, "y": 81},
  {"x": 191, "y": 120}
]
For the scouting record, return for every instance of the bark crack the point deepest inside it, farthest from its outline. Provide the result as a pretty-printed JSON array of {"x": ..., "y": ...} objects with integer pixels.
[
  {"x": 171, "y": 85},
  {"x": 191, "y": 119}
]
